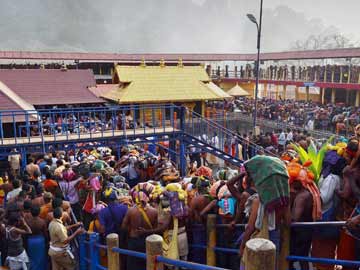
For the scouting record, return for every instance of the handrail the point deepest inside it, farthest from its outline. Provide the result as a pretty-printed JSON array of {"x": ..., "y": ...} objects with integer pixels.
[
  {"x": 228, "y": 132},
  {"x": 346, "y": 263},
  {"x": 276, "y": 124},
  {"x": 188, "y": 265},
  {"x": 128, "y": 252}
]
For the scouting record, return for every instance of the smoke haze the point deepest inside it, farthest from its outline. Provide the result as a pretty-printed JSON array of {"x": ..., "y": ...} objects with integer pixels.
[{"x": 136, "y": 26}]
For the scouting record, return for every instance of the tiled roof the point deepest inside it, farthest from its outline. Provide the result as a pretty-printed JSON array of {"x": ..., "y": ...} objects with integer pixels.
[
  {"x": 51, "y": 86},
  {"x": 102, "y": 89},
  {"x": 9, "y": 101},
  {"x": 161, "y": 84},
  {"x": 190, "y": 57}
]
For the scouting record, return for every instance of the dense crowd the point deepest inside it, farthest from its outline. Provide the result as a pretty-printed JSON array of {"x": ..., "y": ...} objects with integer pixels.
[
  {"x": 308, "y": 115},
  {"x": 60, "y": 195}
]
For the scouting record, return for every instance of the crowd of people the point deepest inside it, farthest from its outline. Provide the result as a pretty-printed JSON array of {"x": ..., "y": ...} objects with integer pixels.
[
  {"x": 336, "y": 118},
  {"x": 322, "y": 73},
  {"x": 61, "y": 195}
]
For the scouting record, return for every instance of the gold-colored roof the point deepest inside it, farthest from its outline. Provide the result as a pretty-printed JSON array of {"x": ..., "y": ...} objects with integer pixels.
[
  {"x": 218, "y": 91},
  {"x": 238, "y": 91},
  {"x": 144, "y": 84}
]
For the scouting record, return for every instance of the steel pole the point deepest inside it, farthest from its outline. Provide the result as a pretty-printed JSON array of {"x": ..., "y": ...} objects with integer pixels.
[{"x": 258, "y": 63}]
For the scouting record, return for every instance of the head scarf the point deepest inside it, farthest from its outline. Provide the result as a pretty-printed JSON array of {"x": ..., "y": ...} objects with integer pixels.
[
  {"x": 204, "y": 171},
  {"x": 301, "y": 173},
  {"x": 141, "y": 193},
  {"x": 271, "y": 180}
]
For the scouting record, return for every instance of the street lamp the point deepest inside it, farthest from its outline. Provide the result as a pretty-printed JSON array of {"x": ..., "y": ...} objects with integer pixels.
[{"x": 252, "y": 18}]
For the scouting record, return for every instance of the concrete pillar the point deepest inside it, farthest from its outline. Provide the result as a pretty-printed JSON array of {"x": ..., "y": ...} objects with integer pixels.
[
  {"x": 296, "y": 93},
  {"x": 357, "y": 100},
  {"x": 341, "y": 75},
  {"x": 154, "y": 248},
  {"x": 325, "y": 74},
  {"x": 307, "y": 93},
  {"x": 265, "y": 90},
  {"x": 261, "y": 254},
  {"x": 333, "y": 95},
  {"x": 112, "y": 240},
  {"x": 284, "y": 91},
  {"x": 322, "y": 95}
]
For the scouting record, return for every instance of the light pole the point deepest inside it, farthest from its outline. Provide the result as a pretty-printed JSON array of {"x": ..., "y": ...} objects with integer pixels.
[{"x": 258, "y": 26}]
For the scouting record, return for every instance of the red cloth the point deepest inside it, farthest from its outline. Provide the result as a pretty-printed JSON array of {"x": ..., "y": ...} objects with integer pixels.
[
  {"x": 346, "y": 248},
  {"x": 324, "y": 248}
]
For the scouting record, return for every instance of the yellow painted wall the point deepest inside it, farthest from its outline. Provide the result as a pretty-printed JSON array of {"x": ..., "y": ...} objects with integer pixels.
[{"x": 313, "y": 97}]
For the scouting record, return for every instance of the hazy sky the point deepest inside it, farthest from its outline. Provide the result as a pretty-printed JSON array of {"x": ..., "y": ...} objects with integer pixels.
[{"x": 169, "y": 25}]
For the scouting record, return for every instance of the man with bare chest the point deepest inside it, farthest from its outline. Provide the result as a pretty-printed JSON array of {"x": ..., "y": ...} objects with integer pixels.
[
  {"x": 141, "y": 215},
  {"x": 301, "y": 211}
]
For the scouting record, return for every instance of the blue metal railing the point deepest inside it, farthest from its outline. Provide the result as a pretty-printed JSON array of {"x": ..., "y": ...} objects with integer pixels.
[
  {"x": 218, "y": 134},
  {"x": 89, "y": 256},
  {"x": 92, "y": 247},
  {"x": 63, "y": 124}
]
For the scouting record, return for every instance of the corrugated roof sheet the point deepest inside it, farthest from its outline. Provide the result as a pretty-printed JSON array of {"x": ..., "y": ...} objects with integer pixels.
[
  {"x": 161, "y": 84},
  {"x": 51, "y": 86},
  {"x": 190, "y": 57}
]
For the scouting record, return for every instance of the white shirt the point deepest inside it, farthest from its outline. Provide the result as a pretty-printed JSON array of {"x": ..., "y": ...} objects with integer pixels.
[
  {"x": 310, "y": 125},
  {"x": 327, "y": 187},
  {"x": 14, "y": 160},
  {"x": 14, "y": 193},
  {"x": 290, "y": 136},
  {"x": 282, "y": 139}
]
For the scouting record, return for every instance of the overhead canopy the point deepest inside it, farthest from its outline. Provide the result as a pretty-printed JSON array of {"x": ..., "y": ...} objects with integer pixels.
[
  {"x": 238, "y": 91},
  {"x": 148, "y": 84}
]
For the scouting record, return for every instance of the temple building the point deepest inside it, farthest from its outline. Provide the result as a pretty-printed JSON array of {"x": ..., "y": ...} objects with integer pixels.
[{"x": 190, "y": 86}]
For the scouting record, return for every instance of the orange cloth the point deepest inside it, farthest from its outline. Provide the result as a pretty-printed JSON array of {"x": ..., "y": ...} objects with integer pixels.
[
  {"x": 297, "y": 172},
  {"x": 49, "y": 184},
  {"x": 44, "y": 210}
]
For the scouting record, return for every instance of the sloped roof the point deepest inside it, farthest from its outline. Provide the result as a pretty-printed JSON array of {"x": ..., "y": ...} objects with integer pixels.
[
  {"x": 51, "y": 86},
  {"x": 218, "y": 91},
  {"x": 9, "y": 101},
  {"x": 102, "y": 89},
  {"x": 238, "y": 91},
  {"x": 191, "y": 57},
  {"x": 141, "y": 84}
]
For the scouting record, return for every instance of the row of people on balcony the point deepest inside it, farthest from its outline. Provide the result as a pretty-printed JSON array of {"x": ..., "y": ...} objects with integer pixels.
[{"x": 322, "y": 73}]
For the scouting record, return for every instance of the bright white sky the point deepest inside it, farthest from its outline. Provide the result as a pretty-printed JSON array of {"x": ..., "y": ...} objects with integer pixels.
[{"x": 342, "y": 14}]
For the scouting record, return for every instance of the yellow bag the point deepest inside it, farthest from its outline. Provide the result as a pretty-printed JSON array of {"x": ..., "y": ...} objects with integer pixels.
[{"x": 170, "y": 248}]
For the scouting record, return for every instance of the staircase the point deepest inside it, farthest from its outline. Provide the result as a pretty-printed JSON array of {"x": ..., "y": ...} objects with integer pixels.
[{"x": 213, "y": 138}]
